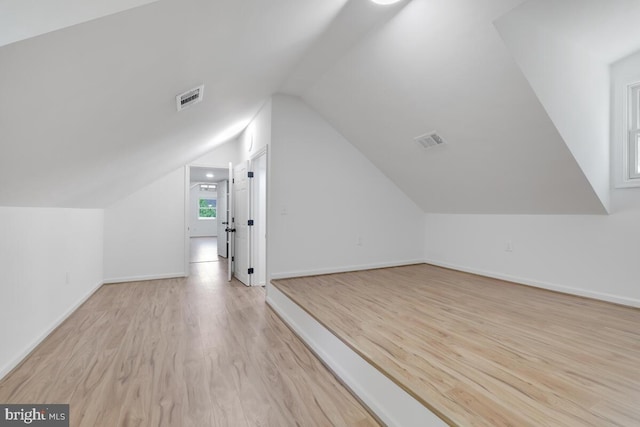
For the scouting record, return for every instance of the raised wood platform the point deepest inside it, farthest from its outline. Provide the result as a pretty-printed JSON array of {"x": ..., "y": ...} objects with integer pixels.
[{"x": 483, "y": 352}]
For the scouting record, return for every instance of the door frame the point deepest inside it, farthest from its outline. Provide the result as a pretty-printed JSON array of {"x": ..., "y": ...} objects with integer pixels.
[
  {"x": 187, "y": 220},
  {"x": 223, "y": 214},
  {"x": 187, "y": 209},
  {"x": 230, "y": 236}
]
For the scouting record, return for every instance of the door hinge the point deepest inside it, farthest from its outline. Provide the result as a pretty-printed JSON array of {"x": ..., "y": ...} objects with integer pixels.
[
  {"x": 233, "y": 258},
  {"x": 250, "y": 271},
  {"x": 250, "y": 222},
  {"x": 250, "y": 174}
]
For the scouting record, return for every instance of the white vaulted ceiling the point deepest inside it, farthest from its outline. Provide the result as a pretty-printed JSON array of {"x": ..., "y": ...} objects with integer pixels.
[
  {"x": 23, "y": 19},
  {"x": 441, "y": 65},
  {"x": 90, "y": 111}
]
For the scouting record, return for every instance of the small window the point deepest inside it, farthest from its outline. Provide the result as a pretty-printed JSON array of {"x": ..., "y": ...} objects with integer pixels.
[
  {"x": 625, "y": 122},
  {"x": 634, "y": 131},
  {"x": 208, "y": 187},
  {"x": 207, "y": 209}
]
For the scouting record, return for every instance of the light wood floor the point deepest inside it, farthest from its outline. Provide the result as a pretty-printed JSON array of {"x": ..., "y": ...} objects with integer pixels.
[
  {"x": 203, "y": 249},
  {"x": 197, "y": 352},
  {"x": 482, "y": 352}
]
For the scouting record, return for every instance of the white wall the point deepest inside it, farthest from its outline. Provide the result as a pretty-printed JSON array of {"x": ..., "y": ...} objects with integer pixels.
[
  {"x": 220, "y": 156},
  {"x": 50, "y": 262},
  {"x": 144, "y": 233},
  {"x": 331, "y": 209},
  {"x": 201, "y": 227},
  {"x": 572, "y": 84},
  {"x": 590, "y": 255},
  {"x": 594, "y": 256},
  {"x": 257, "y": 135}
]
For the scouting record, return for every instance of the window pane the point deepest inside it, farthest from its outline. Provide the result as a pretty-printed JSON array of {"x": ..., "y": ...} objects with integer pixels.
[
  {"x": 635, "y": 107},
  {"x": 207, "y": 208},
  {"x": 207, "y": 203},
  {"x": 637, "y": 153}
]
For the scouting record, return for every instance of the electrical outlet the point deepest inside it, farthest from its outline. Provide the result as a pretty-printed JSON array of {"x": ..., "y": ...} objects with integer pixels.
[
  {"x": 359, "y": 241},
  {"x": 509, "y": 246},
  {"x": 68, "y": 278}
]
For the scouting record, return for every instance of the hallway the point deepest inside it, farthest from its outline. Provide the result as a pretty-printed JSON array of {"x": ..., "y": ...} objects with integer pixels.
[{"x": 203, "y": 249}]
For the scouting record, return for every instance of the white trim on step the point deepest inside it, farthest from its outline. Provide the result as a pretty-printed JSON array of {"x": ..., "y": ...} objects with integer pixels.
[
  {"x": 391, "y": 404},
  {"x": 144, "y": 277},
  {"x": 303, "y": 273}
]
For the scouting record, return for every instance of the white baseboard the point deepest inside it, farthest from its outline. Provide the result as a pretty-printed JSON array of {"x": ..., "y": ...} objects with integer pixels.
[
  {"x": 15, "y": 362},
  {"x": 304, "y": 273},
  {"x": 632, "y": 302},
  {"x": 144, "y": 277},
  {"x": 391, "y": 404}
]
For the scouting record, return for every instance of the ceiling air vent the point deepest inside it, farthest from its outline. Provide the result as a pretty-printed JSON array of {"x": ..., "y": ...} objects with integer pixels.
[
  {"x": 189, "y": 97},
  {"x": 429, "y": 140}
]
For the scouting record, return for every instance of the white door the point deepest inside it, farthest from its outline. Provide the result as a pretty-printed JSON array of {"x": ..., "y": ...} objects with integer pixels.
[
  {"x": 258, "y": 185},
  {"x": 223, "y": 219},
  {"x": 241, "y": 217},
  {"x": 231, "y": 225}
]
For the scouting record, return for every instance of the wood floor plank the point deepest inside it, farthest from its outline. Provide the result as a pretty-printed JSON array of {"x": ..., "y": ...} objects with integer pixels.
[
  {"x": 190, "y": 352},
  {"x": 484, "y": 352}
]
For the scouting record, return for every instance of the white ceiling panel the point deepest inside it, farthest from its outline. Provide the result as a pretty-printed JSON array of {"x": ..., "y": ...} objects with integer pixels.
[
  {"x": 23, "y": 19},
  {"x": 440, "y": 65},
  {"x": 88, "y": 94},
  {"x": 91, "y": 111}
]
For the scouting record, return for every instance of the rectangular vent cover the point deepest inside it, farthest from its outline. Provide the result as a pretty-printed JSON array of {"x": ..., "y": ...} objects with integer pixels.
[
  {"x": 190, "y": 97},
  {"x": 429, "y": 140}
]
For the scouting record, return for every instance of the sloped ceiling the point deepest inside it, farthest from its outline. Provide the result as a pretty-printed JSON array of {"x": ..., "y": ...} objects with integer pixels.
[
  {"x": 607, "y": 29},
  {"x": 441, "y": 65},
  {"x": 23, "y": 19},
  {"x": 90, "y": 109},
  {"x": 565, "y": 49}
]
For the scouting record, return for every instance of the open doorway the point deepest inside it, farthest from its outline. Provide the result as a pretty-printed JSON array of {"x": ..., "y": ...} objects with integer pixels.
[
  {"x": 204, "y": 213},
  {"x": 226, "y": 217}
]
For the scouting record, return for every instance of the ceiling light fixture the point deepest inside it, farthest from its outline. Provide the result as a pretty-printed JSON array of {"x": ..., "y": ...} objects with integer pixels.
[
  {"x": 209, "y": 175},
  {"x": 385, "y": 2}
]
